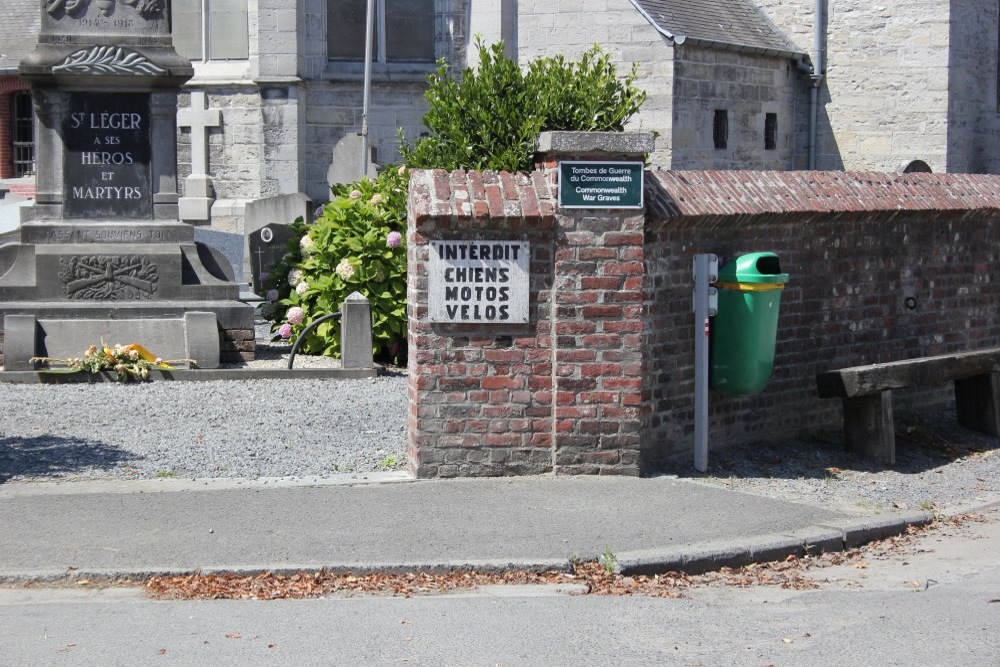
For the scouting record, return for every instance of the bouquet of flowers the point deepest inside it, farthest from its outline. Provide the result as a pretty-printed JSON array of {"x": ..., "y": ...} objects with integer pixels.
[{"x": 127, "y": 361}]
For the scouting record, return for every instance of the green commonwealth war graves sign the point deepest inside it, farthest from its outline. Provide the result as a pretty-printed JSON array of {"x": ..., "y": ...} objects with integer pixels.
[{"x": 586, "y": 184}]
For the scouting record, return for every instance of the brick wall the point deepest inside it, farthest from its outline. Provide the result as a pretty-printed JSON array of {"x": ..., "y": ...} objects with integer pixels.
[
  {"x": 858, "y": 247},
  {"x": 882, "y": 267},
  {"x": 559, "y": 393}
]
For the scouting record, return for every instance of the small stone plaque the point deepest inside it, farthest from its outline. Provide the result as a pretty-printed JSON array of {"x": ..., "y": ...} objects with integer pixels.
[
  {"x": 586, "y": 184},
  {"x": 106, "y": 172},
  {"x": 479, "y": 282}
]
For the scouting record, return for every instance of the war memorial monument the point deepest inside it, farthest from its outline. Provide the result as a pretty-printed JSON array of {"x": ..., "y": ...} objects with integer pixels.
[{"x": 103, "y": 255}]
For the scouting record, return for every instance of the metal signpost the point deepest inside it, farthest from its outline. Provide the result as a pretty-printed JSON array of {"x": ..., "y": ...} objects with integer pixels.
[{"x": 706, "y": 303}]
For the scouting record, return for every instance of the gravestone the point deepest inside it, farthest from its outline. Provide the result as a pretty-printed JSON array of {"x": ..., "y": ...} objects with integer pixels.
[
  {"x": 103, "y": 251},
  {"x": 266, "y": 227},
  {"x": 267, "y": 246},
  {"x": 346, "y": 166}
]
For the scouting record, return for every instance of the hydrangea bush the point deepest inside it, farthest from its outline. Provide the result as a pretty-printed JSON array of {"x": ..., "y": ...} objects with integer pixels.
[{"x": 356, "y": 244}]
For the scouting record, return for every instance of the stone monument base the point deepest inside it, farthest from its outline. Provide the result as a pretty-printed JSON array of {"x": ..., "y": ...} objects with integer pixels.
[
  {"x": 190, "y": 341},
  {"x": 65, "y": 287}
]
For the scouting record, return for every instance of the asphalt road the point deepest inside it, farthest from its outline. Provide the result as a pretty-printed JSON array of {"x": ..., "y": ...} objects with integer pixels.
[{"x": 936, "y": 602}]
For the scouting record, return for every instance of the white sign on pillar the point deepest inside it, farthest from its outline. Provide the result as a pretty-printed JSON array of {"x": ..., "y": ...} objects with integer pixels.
[
  {"x": 479, "y": 282},
  {"x": 196, "y": 204}
]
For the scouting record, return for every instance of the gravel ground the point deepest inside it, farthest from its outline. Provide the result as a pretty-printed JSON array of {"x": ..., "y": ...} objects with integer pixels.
[
  {"x": 940, "y": 466},
  {"x": 235, "y": 429},
  {"x": 315, "y": 428}
]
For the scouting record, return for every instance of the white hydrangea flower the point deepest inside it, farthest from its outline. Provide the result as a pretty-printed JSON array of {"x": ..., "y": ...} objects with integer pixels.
[
  {"x": 302, "y": 288},
  {"x": 344, "y": 269},
  {"x": 306, "y": 244},
  {"x": 294, "y": 277},
  {"x": 355, "y": 194},
  {"x": 377, "y": 199}
]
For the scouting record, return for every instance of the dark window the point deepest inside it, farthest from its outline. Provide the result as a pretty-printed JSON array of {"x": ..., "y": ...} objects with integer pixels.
[
  {"x": 770, "y": 131},
  {"x": 403, "y": 30},
  {"x": 23, "y": 131},
  {"x": 345, "y": 33},
  {"x": 720, "y": 128}
]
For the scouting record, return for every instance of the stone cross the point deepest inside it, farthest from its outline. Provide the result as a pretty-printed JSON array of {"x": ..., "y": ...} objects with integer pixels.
[
  {"x": 199, "y": 118},
  {"x": 196, "y": 204}
]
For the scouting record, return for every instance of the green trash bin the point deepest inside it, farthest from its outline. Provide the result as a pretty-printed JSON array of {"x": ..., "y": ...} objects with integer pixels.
[{"x": 745, "y": 329}]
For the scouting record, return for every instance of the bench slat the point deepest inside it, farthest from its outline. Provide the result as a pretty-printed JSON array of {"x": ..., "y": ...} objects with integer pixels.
[{"x": 874, "y": 378}]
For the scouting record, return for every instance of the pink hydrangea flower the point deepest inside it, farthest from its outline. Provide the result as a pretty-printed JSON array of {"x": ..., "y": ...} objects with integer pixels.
[
  {"x": 285, "y": 331},
  {"x": 393, "y": 239},
  {"x": 295, "y": 315}
]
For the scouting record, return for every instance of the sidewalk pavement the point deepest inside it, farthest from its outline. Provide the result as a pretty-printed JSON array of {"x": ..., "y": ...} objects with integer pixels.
[{"x": 110, "y": 529}]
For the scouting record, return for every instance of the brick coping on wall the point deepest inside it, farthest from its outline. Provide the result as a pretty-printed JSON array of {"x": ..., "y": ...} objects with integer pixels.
[{"x": 749, "y": 194}]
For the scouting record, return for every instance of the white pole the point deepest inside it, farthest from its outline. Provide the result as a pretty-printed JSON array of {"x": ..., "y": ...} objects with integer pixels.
[
  {"x": 706, "y": 269},
  {"x": 369, "y": 29}
]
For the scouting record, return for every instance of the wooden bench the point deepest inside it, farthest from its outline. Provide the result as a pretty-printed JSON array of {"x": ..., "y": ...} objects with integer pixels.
[{"x": 867, "y": 395}]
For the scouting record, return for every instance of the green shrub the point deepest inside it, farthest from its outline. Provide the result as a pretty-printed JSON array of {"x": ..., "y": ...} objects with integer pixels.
[
  {"x": 487, "y": 119},
  {"x": 490, "y": 116},
  {"x": 356, "y": 245}
]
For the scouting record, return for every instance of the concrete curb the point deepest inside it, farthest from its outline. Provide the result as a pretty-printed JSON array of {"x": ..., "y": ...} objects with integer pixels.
[
  {"x": 61, "y": 577},
  {"x": 706, "y": 557}
]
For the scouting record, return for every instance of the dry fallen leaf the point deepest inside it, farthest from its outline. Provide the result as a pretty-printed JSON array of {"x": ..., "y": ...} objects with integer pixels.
[{"x": 233, "y": 635}]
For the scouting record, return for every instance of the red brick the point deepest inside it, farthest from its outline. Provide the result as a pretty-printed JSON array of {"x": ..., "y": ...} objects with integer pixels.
[
  {"x": 502, "y": 382},
  {"x": 601, "y": 311},
  {"x": 600, "y": 370},
  {"x": 600, "y": 282},
  {"x": 510, "y": 356},
  {"x": 623, "y": 268},
  {"x": 623, "y": 239}
]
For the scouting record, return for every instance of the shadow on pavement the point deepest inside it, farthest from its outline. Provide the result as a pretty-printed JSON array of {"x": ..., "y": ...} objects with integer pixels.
[
  {"x": 923, "y": 443},
  {"x": 50, "y": 455}
]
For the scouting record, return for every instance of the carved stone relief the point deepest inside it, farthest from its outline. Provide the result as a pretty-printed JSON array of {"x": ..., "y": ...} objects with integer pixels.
[
  {"x": 107, "y": 60},
  {"x": 108, "y": 277}
]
